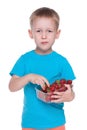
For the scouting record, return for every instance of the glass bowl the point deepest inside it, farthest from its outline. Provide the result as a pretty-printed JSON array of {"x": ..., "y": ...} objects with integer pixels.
[{"x": 46, "y": 97}]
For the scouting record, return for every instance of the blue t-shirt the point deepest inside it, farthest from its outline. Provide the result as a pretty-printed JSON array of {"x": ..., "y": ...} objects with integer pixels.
[{"x": 53, "y": 66}]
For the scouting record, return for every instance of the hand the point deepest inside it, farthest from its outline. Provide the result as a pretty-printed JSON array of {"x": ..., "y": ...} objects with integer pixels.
[
  {"x": 39, "y": 80},
  {"x": 59, "y": 97}
]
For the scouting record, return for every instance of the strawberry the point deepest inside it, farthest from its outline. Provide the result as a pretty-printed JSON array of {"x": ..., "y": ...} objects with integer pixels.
[
  {"x": 63, "y": 81},
  {"x": 62, "y": 88},
  {"x": 55, "y": 85},
  {"x": 69, "y": 82},
  {"x": 58, "y": 85},
  {"x": 52, "y": 88}
]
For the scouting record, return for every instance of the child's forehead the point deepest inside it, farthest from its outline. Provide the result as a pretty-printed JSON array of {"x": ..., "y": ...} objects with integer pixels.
[
  {"x": 43, "y": 21},
  {"x": 43, "y": 17}
]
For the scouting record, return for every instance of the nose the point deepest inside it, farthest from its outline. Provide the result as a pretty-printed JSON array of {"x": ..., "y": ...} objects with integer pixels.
[{"x": 44, "y": 35}]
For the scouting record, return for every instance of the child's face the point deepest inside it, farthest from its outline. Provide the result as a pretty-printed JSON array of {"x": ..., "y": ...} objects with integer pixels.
[{"x": 44, "y": 33}]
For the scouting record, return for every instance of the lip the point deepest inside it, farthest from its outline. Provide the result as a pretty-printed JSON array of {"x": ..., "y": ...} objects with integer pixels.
[{"x": 44, "y": 42}]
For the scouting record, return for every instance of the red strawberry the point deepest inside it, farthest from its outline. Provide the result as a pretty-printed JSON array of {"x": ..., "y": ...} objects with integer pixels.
[
  {"x": 62, "y": 89},
  {"x": 45, "y": 91},
  {"x": 57, "y": 86},
  {"x": 52, "y": 88},
  {"x": 62, "y": 81},
  {"x": 69, "y": 82}
]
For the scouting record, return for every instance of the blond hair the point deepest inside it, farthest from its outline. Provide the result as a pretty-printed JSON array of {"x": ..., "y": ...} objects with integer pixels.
[{"x": 45, "y": 12}]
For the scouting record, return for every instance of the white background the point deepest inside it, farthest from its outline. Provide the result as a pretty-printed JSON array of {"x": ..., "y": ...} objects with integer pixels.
[{"x": 14, "y": 41}]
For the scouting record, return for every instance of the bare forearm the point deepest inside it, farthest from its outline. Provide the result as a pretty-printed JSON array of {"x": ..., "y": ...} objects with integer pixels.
[
  {"x": 72, "y": 95},
  {"x": 17, "y": 83}
]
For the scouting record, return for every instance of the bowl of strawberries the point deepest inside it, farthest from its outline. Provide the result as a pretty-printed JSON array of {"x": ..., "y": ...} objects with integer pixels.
[{"x": 58, "y": 85}]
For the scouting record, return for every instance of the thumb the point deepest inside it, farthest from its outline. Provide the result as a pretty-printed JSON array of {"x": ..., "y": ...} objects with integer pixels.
[{"x": 46, "y": 82}]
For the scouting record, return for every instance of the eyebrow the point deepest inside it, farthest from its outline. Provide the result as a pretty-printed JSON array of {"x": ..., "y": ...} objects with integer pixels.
[{"x": 46, "y": 28}]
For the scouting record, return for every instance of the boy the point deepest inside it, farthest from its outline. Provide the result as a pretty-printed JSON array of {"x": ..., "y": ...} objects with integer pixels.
[{"x": 40, "y": 66}]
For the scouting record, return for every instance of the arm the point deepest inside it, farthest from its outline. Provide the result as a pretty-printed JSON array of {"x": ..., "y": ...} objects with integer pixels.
[
  {"x": 16, "y": 83},
  {"x": 66, "y": 96}
]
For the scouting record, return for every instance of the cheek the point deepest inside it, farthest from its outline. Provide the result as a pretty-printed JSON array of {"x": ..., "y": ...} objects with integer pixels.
[
  {"x": 52, "y": 37},
  {"x": 37, "y": 37}
]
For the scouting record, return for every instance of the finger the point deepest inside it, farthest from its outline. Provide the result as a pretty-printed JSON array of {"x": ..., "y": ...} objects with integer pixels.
[
  {"x": 57, "y": 100},
  {"x": 40, "y": 82},
  {"x": 58, "y": 93},
  {"x": 55, "y": 96},
  {"x": 43, "y": 85},
  {"x": 46, "y": 82}
]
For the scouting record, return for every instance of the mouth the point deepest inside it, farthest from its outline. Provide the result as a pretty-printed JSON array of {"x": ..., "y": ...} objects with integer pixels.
[{"x": 44, "y": 43}]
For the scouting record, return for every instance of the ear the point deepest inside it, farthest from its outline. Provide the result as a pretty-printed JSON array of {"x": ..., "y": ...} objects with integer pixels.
[
  {"x": 30, "y": 33},
  {"x": 58, "y": 34}
]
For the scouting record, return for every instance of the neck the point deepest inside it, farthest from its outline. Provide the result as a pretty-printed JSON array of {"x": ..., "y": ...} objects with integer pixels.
[{"x": 43, "y": 52}]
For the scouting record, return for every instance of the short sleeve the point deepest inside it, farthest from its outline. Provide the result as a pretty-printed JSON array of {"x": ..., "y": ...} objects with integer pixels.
[
  {"x": 18, "y": 68},
  {"x": 67, "y": 71}
]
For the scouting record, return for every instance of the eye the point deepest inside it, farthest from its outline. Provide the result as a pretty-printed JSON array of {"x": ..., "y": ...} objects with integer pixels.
[
  {"x": 49, "y": 31},
  {"x": 38, "y": 30}
]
